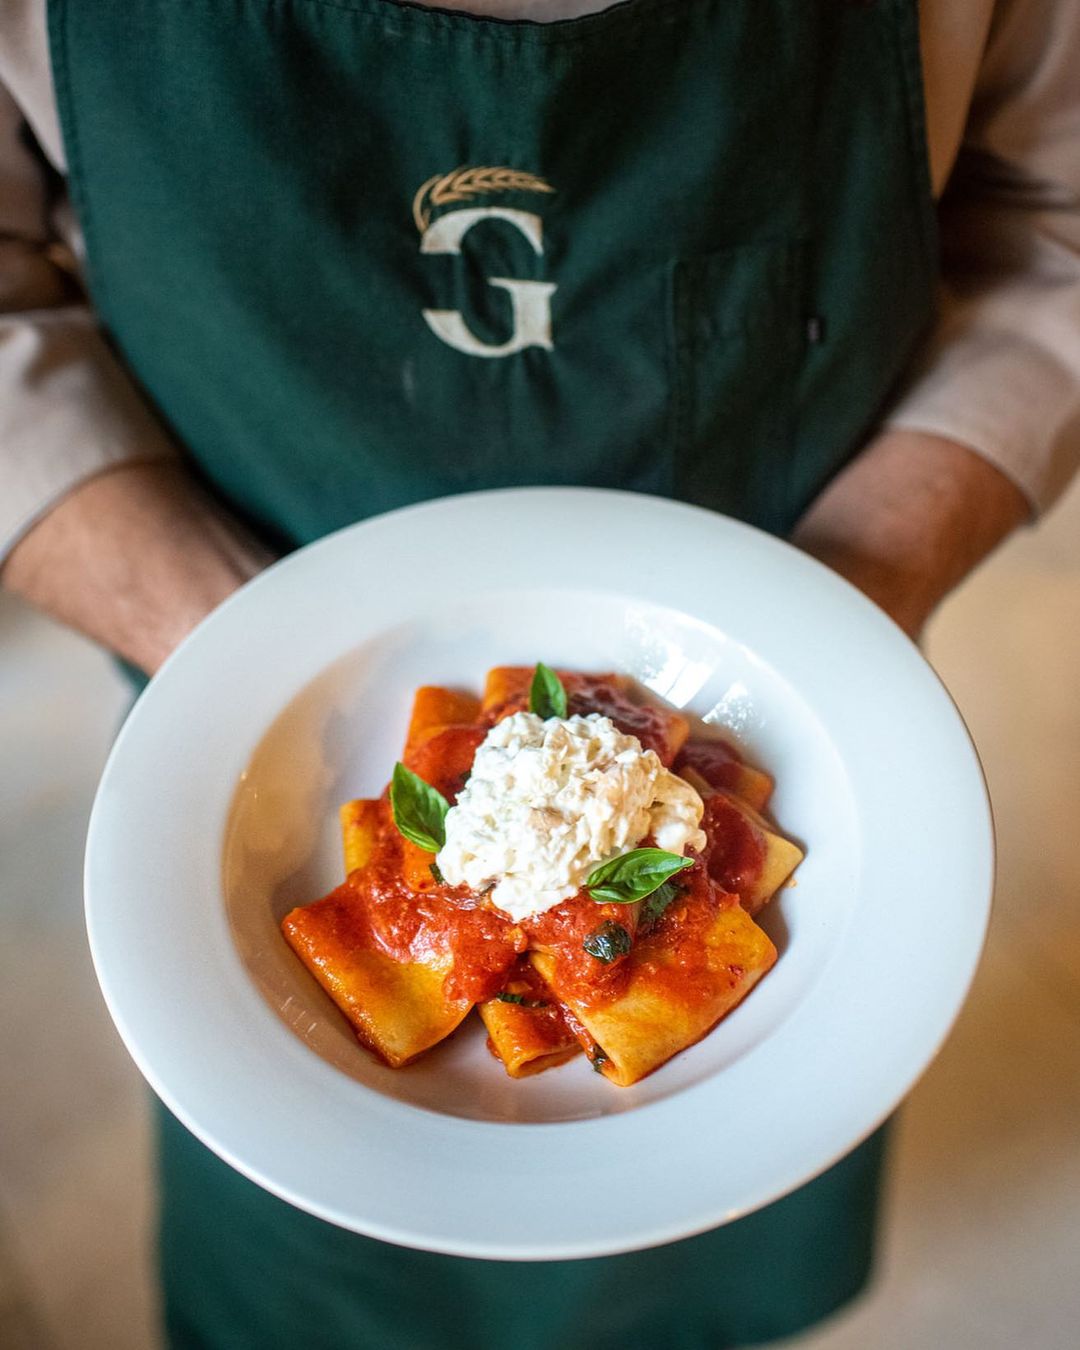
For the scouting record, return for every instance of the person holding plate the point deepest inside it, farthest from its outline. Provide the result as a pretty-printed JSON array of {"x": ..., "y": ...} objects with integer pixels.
[{"x": 344, "y": 256}]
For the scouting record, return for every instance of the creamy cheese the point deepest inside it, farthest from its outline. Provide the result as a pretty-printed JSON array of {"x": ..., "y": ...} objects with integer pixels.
[{"x": 548, "y": 801}]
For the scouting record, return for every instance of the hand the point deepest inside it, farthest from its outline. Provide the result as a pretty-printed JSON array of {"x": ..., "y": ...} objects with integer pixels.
[
  {"x": 908, "y": 519},
  {"x": 134, "y": 558}
]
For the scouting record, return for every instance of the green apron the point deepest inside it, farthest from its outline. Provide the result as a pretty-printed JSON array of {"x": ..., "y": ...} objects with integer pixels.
[{"x": 360, "y": 253}]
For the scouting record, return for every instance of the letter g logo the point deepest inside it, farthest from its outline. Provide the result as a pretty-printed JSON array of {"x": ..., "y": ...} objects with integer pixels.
[{"x": 530, "y": 300}]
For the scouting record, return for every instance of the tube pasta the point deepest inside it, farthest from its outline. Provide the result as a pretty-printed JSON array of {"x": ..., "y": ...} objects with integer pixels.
[
  {"x": 652, "y": 1018},
  {"x": 532, "y": 1035},
  {"x": 398, "y": 1009}
]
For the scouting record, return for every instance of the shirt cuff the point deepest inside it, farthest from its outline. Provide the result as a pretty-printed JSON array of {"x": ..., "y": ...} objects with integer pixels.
[{"x": 68, "y": 411}]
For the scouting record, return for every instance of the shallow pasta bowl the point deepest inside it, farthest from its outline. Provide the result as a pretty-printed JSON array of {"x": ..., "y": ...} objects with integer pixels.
[{"x": 217, "y": 813}]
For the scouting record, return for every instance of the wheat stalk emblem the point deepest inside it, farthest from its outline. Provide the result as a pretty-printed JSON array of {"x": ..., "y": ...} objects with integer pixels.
[{"x": 459, "y": 185}]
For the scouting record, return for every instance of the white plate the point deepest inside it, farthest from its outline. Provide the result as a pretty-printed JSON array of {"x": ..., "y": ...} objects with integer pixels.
[{"x": 217, "y": 813}]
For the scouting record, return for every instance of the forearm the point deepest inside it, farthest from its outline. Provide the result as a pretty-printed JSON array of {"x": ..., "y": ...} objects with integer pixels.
[
  {"x": 134, "y": 558},
  {"x": 908, "y": 519}
]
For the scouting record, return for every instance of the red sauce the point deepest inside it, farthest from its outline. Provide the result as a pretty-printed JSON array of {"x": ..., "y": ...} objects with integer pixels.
[
  {"x": 524, "y": 980},
  {"x": 718, "y": 764},
  {"x": 600, "y": 694},
  {"x": 675, "y": 953},
  {"x": 562, "y": 931},
  {"x": 541, "y": 1021},
  {"x": 446, "y": 759},
  {"x": 594, "y": 1052},
  {"x": 605, "y": 694},
  {"x": 408, "y": 925},
  {"x": 735, "y": 852},
  {"x": 672, "y": 949}
]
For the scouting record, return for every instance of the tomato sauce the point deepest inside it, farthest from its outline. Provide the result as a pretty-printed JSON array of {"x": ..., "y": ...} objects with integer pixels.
[
  {"x": 735, "y": 852},
  {"x": 562, "y": 932},
  {"x": 445, "y": 759},
  {"x": 675, "y": 954},
  {"x": 376, "y": 909},
  {"x": 539, "y": 1021},
  {"x": 601, "y": 694},
  {"x": 719, "y": 764},
  {"x": 607, "y": 695},
  {"x": 594, "y": 1051}
]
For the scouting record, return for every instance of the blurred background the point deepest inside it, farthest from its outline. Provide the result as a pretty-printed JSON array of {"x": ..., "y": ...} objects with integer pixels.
[{"x": 981, "y": 1241}]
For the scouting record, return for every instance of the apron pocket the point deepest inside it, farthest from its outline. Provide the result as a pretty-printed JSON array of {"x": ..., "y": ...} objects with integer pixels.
[{"x": 739, "y": 336}]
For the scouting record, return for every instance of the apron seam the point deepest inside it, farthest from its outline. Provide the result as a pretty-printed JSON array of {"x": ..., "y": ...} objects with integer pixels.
[
  {"x": 627, "y": 16},
  {"x": 906, "y": 35}
]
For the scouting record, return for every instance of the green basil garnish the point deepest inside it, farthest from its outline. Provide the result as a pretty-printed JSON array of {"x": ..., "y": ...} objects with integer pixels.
[
  {"x": 608, "y": 941},
  {"x": 657, "y": 903},
  {"x": 598, "y": 1059},
  {"x": 436, "y": 874},
  {"x": 547, "y": 697},
  {"x": 506, "y": 997},
  {"x": 634, "y": 875},
  {"x": 419, "y": 809}
]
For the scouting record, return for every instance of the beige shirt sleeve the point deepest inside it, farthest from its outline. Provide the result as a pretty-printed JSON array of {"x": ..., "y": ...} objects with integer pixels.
[
  {"x": 68, "y": 410},
  {"x": 1001, "y": 372}
]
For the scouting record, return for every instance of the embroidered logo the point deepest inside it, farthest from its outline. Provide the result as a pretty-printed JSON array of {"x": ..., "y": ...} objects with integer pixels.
[
  {"x": 461, "y": 185},
  {"x": 530, "y": 300}
]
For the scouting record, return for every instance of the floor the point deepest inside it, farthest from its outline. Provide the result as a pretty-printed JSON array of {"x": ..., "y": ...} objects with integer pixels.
[{"x": 981, "y": 1249}]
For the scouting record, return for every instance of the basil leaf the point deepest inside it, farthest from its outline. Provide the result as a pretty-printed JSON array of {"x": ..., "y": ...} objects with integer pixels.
[
  {"x": 658, "y": 902},
  {"x": 608, "y": 941},
  {"x": 419, "y": 809},
  {"x": 634, "y": 875},
  {"x": 507, "y": 997},
  {"x": 598, "y": 1059},
  {"x": 547, "y": 697},
  {"x": 436, "y": 874}
]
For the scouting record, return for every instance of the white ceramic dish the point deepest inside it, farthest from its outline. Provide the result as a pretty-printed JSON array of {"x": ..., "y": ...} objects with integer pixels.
[{"x": 217, "y": 813}]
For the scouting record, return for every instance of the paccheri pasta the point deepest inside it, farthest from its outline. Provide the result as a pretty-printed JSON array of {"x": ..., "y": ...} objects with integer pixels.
[{"x": 615, "y": 946}]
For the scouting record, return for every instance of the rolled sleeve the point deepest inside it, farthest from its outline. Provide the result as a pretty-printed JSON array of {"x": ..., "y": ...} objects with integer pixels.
[
  {"x": 68, "y": 412},
  {"x": 1001, "y": 371},
  {"x": 68, "y": 409}
]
